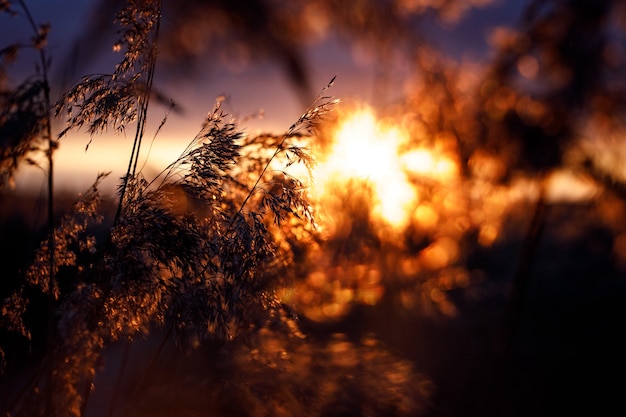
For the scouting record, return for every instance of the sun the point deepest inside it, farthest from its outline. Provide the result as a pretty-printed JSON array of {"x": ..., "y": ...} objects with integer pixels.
[{"x": 367, "y": 149}]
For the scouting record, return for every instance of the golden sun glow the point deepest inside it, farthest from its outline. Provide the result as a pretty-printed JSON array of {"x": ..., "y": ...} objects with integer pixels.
[
  {"x": 369, "y": 150},
  {"x": 364, "y": 150}
]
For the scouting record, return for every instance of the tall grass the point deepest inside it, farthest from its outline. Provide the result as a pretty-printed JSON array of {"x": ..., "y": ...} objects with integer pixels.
[
  {"x": 247, "y": 307},
  {"x": 197, "y": 251}
]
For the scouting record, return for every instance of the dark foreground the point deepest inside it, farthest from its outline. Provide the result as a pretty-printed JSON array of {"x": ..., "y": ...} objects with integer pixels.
[{"x": 555, "y": 349}]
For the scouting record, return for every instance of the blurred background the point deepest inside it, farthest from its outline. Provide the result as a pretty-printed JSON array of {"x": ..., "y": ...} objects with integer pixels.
[{"x": 469, "y": 190}]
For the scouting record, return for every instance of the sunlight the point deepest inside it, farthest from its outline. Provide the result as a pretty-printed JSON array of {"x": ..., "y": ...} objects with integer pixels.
[{"x": 366, "y": 149}]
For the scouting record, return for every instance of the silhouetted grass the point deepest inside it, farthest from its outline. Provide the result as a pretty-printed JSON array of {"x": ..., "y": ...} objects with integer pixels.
[{"x": 208, "y": 289}]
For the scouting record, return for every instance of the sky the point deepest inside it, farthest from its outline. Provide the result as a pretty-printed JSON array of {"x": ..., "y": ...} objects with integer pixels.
[{"x": 260, "y": 86}]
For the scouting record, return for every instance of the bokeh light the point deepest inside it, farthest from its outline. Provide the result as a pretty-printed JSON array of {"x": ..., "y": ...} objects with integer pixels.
[{"x": 378, "y": 153}]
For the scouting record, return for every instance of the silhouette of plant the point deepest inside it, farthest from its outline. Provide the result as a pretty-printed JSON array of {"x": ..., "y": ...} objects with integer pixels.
[
  {"x": 219, "y": 259},
  {"x": 195, "y": 252}
]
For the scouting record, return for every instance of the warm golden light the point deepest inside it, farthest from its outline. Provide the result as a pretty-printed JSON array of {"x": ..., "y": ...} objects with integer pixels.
[{"x": 367, "y": 149}]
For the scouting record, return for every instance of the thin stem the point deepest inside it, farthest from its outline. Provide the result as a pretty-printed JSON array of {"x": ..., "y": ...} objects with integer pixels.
[
  {"x": 141, "y": 123},
  {"x": 291, "y": 132},
  {"x": 124, "y": 184},
  {"x": 52, "y": 145},
  {"x": 163, "y": 121},
  {"x": 279, "y": 147}
]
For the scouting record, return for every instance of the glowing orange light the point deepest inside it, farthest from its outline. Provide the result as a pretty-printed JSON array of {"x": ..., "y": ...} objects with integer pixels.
[
  {"x": 363, "y": 149},
  {"x": 367, "y": 149}
]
